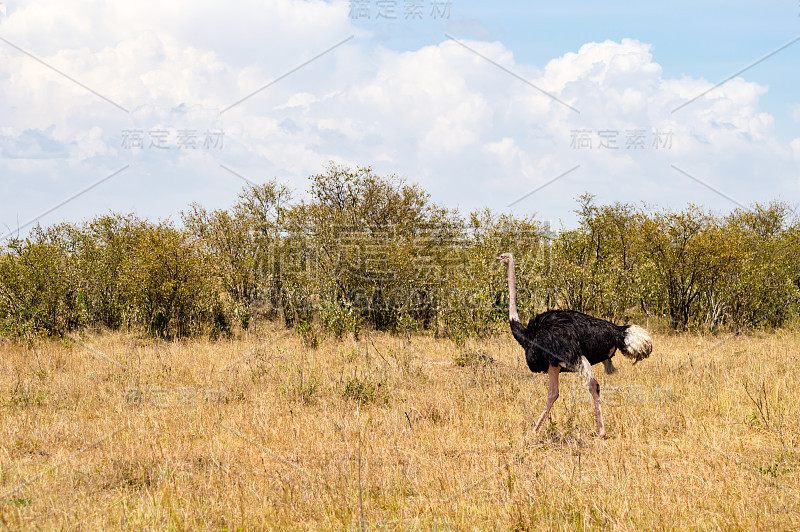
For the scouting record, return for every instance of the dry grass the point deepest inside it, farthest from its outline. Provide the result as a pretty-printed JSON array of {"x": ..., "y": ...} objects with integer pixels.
[{"x": 263, "y": 433}]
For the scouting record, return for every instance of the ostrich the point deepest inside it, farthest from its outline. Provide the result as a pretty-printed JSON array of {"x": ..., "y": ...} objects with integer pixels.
[{"x": 572, "y": 341}]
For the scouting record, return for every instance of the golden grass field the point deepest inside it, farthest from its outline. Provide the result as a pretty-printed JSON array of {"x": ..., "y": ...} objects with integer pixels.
[{"x": 117, "y": 432}]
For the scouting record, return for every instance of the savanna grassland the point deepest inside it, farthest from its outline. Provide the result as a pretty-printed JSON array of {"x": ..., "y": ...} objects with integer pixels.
[
  {"x": 393, "y": 432},
  {"x": 344, "y": 362}
]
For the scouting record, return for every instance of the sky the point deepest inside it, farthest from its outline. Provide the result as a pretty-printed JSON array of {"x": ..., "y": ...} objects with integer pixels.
[{"x": 146, "y": 107}]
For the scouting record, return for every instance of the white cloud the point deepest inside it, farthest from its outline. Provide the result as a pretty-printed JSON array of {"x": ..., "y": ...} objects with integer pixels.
[{"x": 471, "y": 133}]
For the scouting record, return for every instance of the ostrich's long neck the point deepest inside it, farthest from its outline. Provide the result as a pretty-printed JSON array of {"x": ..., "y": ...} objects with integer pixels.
[{"x": 512, "y": 292}]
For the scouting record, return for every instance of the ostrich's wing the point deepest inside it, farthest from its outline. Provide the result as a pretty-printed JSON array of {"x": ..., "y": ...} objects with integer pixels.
[{"x": 556, "y": 342}]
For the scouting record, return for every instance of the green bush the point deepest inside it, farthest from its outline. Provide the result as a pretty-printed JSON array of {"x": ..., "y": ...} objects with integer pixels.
[{"x": 365, "y": 250}]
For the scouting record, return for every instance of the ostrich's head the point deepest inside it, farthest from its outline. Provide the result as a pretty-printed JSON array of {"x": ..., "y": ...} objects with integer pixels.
[{"x": 506, "y": 258}]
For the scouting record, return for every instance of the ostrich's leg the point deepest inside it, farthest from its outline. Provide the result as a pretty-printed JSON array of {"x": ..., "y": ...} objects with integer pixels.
[
  {"x": 552, "y": 394},
  {"x": 594, "y": 389}
]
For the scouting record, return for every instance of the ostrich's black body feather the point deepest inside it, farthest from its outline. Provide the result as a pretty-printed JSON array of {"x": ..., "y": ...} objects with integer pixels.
[{"x": 561, "y": 337}]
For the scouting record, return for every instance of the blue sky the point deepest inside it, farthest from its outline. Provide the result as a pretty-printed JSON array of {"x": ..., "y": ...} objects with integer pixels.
[
  {"x": 709, "y": 39},
  {"x": 478, "y": 119}
]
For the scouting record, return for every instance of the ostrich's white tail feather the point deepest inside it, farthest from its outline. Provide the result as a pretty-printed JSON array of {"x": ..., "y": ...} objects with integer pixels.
[{"x": 638, "y": 344}]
